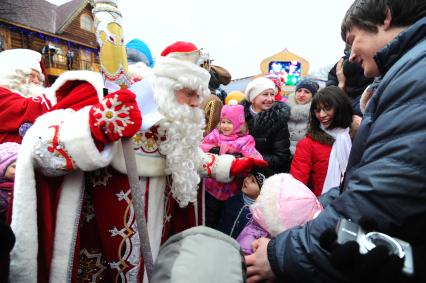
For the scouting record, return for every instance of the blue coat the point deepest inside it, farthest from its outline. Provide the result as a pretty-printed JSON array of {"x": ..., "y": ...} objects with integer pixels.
[
  {"x": 235, "y": 216},
  {"x": 386, "y": 173}
]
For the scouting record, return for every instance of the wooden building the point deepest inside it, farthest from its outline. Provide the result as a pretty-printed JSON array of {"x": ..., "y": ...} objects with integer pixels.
[{"x": 64, "y": 34}]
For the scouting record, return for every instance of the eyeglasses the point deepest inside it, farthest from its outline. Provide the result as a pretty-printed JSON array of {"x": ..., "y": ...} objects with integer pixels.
[{"x": 326, "y": 109}]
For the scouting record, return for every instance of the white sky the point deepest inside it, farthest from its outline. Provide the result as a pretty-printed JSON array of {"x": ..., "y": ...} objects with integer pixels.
[{"x": 239, "y": 34}]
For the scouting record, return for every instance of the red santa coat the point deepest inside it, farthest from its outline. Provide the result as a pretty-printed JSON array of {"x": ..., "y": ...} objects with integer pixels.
[
  {"x": 15, "y": 110},
  {"x": 88, "y": 222},
  {"x": 72, "y": 89}
]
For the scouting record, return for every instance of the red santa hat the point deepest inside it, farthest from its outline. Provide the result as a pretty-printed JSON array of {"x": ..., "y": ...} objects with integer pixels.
[
  {"x": 181, "y": 62},
  {"x": 20, "y": 59}
]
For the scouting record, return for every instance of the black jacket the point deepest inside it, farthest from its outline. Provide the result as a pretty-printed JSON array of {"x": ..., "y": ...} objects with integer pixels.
[
  {"x": 270, "y": 132},
  {"x": 355, "y": 84},
  {"x": 385, "y": 177}
]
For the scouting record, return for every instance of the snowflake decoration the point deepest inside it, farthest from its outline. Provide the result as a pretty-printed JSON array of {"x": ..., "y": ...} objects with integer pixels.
[
  {"x": 100, "y": 177},
  {"x": 91, "y": 267},
  {"x": 87, "y": 210},
  {"x": 113, "y": 113}
]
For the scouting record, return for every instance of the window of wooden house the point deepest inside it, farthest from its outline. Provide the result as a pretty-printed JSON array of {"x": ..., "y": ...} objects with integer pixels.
[
  {"x": 2, "y": 43},
  {"x": 86, "y": 22}
]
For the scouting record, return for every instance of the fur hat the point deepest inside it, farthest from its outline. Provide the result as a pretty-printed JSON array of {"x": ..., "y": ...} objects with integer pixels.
[
  {"x": 283, "y": 203},
  {"x": 181, "y": 62},
  {"x": 20, "y": 59},
  {"x": 235, "y": 114},
  {"x": 8, "y": 155},
  {"x": 309, "y": 84},
  {"x": 257, "y": 86}
]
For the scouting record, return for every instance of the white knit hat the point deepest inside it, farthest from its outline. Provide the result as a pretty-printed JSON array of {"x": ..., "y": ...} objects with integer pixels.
[
  {"x": 257, "y": 86},
  {"x": 19, "y": 59}
]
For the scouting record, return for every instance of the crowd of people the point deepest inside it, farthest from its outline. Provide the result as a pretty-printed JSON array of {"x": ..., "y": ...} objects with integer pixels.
[{"x": 275, "y": 174}]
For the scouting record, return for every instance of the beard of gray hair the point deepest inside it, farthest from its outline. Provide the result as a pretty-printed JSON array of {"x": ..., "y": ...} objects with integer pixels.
[
  {"x": 183, "y": 126},
  {"x": 18, "y": 81}
]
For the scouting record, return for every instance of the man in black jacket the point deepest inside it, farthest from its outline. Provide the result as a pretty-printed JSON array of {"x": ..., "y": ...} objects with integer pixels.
[
  {"x": 349, "y": 76},
  {"x": 385, "y": 178}
]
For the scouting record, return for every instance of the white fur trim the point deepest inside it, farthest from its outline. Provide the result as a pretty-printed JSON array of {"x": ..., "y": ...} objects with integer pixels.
[
  {"x": 156, "y": 200},
  {"x": 67, "y": 222},
  {"x": 77, "y": 138},
  {"x": 23, "y": 258},
  {"x": 268, "y": 203},
  {"x": 222, "y": 167},
  {"x": 20, "y": 59},
  {"x": 95, "y": 79},
  {"x": 188, "y": 74},
  {"x": 148, "y": 165}
]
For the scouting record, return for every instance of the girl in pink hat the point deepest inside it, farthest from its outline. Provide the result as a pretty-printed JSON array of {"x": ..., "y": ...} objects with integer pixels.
[
  {"x": 8, "y": 156},
  {"x": 231, "y": 137},
  {"x": 284, "y": 202}
]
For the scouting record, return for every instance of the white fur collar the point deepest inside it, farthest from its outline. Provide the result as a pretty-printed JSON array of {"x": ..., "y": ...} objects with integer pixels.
[{"x": 299, "y": 112}]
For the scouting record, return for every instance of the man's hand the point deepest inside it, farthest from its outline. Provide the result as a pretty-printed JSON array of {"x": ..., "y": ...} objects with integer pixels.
[
  {"x": 244, "y": 165},
  {"x": 340, "y": 75},
  {"x": 258, "y": 267},
  {"x": 116, "y": 116},
  {"x": 377, "y": 265}
]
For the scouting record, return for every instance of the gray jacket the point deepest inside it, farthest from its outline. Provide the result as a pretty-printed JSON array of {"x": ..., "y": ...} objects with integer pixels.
[{"x": 385, "y": 177}]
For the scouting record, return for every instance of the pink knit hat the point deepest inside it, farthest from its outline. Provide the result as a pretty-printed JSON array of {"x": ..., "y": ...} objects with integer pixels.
[
  {"x": 8, "y": 155},
  {"x": 283, "y": 203},
  {"x": 235, "y": 114}
]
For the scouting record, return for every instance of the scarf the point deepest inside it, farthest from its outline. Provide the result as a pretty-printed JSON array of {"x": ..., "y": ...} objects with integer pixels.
[
  {"x": 247, "y": 200},
  {"x": 338, "y": 157}
]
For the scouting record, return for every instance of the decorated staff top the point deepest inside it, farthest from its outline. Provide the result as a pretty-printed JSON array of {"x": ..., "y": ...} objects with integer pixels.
[{"x": 109, "y": 34}]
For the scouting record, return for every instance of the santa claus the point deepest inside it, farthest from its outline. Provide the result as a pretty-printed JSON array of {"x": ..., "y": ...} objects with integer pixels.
[
  {"x": 24, "y": 97},
  {"x": 80, "y": 225}
]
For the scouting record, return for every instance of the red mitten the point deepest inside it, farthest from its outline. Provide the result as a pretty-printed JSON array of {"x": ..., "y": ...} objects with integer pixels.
[
  {"x": 244, "y": 165},
  {"x": 116, "y": 116}
]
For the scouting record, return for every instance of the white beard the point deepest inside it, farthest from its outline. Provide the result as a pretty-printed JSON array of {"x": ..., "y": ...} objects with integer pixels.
[
  {"x": 183, "y": 127},
  {"x": 18, "y": 81},
  {"x": 139, "y": 71},
  {"x": 32, "y": 90}
]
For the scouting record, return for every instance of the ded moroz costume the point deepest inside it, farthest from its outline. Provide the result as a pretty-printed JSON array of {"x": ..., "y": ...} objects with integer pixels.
[{"x": 82, "y": 225}]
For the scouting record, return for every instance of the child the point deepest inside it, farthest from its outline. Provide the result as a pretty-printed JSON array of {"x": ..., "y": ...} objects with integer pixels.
[
  {"x": 8, "y": 156},
  {"x": 236, "y": 212},
  {"x": 231, "y": 138},
  {"x": 284, "y": 202}
]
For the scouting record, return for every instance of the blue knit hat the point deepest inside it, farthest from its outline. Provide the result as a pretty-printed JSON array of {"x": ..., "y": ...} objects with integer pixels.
[
  {"x": 309, "y": 84},
  {"x": 138, "y": 51}
]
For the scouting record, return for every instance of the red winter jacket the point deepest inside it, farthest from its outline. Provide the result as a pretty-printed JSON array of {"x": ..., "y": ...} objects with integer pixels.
[{"x": 310, "y": 162}]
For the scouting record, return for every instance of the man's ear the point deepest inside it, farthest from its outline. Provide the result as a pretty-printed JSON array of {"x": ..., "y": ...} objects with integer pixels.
[{"x": 388, "y": 19}]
